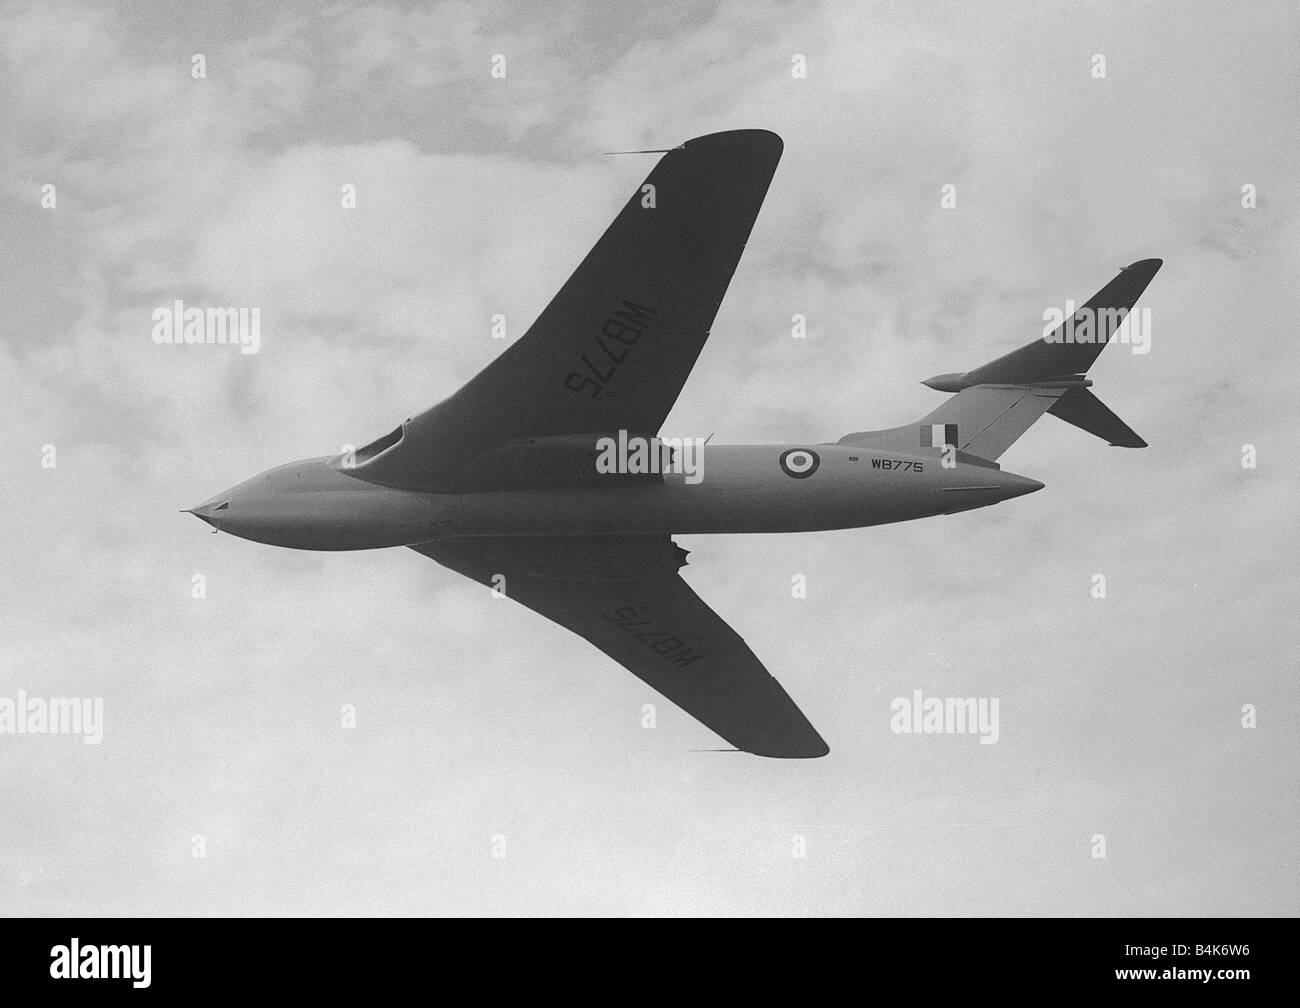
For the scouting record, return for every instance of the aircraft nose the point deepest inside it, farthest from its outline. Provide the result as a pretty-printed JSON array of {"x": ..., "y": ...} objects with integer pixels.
[{"x": 210, "y": 511}]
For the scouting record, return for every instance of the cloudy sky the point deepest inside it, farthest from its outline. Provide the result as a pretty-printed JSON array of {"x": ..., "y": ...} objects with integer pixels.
[{"x": 476, "y": 195}]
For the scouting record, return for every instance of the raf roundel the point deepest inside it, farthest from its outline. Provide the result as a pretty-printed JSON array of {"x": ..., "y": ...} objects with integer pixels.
[{"x": 799, "y": 463}]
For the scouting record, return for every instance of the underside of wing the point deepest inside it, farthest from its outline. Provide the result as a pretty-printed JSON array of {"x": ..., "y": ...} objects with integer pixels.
[
  {"x": 624, "y": 594},
  {"x": 615, "y": 345}
]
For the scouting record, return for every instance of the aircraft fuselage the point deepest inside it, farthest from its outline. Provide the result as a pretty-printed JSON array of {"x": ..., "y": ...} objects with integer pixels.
[{"x": 315, "y": 504}]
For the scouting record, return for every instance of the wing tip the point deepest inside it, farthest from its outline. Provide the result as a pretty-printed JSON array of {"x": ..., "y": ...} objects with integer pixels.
[
  {"x": 808, "y": 748},
  {"x": 1148, "y": 266},
  {"x": 760, "y": 141}
]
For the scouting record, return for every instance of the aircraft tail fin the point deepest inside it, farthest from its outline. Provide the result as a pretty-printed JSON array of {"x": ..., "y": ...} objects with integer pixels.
[{"x": 998, "y": 401}]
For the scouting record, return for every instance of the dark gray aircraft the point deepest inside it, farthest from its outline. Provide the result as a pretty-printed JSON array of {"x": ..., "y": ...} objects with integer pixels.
[{"x": 507, "y": 481}]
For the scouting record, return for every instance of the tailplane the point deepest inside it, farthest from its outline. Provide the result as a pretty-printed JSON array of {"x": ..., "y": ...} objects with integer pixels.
[
  {"x": 997, "y": 402},
  {"x": 1083, "y": 409}
]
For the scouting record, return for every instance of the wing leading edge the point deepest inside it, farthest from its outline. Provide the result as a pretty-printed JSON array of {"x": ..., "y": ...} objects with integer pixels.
[
  {"x": 615, "y": 345},
  {"x": 624, "y": 595}
]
